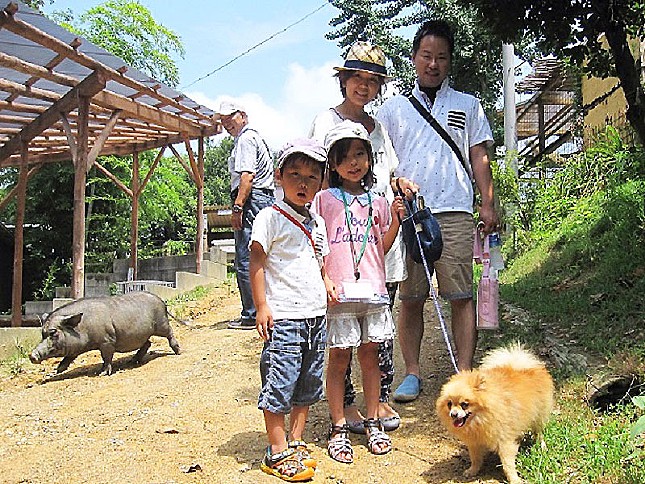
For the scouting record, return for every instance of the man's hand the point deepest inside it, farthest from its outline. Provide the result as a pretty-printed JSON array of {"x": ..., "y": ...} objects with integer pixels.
[{"x": 236, "y": 220}]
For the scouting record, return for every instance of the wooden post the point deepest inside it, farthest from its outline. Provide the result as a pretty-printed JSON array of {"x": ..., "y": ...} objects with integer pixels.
[
  {"x": 199, "y": 242},
  {"x": 134, "y": 218},
  {"x": 80, "y": 179},
  {"x": 16, "y": 302}
]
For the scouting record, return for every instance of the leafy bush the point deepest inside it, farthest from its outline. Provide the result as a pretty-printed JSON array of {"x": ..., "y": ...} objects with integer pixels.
[
  {"x": 539, "y": 207},
  {"x": 579, "y": 277}
]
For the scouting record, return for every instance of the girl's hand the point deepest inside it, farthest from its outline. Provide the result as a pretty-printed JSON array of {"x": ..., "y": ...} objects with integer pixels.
[
  {"x": 408, "y": 187},
  {"x": 398, "y": 209},
  {"x": 264, "y": 321}
]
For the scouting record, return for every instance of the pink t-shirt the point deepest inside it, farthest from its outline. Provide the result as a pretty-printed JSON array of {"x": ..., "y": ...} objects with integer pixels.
[{"x": 339, "y": 263}]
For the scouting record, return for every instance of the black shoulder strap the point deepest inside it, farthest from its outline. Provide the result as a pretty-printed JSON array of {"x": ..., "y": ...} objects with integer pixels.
[{"x": 441, "y": 131}]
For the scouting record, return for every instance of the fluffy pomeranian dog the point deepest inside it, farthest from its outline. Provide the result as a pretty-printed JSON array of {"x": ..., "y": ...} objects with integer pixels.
[{"x": 491, "y": 408}]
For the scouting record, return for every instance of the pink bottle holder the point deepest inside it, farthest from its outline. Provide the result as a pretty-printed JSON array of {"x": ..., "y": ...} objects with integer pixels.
[
  {"x": 478, "y": 249},
  {"x": 487, "y": 294}
]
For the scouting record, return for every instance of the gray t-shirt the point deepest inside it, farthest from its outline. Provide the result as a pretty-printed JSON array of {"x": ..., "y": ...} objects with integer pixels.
[{"x": 251, "y": 154}]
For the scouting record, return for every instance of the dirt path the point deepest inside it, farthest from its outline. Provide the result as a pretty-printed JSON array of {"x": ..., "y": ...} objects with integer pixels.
[{"x": 193, "y": 418}]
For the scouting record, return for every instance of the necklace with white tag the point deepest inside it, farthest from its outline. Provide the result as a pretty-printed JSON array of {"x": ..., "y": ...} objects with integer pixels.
[{"x": 356, "y": 259}]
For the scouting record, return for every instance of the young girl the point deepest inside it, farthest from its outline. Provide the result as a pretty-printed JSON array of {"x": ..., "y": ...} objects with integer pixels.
[{"x": 361, "y": 228}]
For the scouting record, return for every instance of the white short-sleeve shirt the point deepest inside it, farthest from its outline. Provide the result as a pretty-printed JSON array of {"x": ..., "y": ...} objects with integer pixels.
[
  {"x": 251, "y": 154},
  {"x": 293, "y": 281},
  {"x": 424, "y": 157}
]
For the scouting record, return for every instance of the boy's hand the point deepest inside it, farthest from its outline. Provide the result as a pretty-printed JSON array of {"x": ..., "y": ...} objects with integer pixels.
[
  {"x": 264, "y": 321},
  {"x": 332, "y": 294}
]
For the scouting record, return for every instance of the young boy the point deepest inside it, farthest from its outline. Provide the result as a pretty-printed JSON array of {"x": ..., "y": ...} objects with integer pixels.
[{"x": 288, "y": 282}]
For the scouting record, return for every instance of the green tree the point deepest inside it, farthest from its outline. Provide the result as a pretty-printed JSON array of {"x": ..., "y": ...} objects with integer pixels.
[
  {"x": 37, "y": 4},
  {"x": 127, "y": 29},
  {"x": 577, "y": 30},
  {"x": 217, "y": 181},
  {"x": 166, "y": 210}
]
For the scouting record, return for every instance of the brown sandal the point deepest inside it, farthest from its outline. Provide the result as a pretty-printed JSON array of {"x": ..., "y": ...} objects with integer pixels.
[
  {"x": 339, "y": 446},
  {"x": 378, "y": 442},
  {"x": 286, "y": 465}
]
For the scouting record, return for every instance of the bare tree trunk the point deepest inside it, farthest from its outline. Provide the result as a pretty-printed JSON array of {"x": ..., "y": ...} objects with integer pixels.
[{"x": 626, "y": 67}]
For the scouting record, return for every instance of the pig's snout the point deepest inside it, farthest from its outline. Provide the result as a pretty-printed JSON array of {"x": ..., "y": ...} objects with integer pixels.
[{"x": 38, "y": 354}]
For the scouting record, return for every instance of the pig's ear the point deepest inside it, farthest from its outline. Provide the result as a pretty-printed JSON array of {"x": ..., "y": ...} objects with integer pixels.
[{"x": 72, "y": 321}]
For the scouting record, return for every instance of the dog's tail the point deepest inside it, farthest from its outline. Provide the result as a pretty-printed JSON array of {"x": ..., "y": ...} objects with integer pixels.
[{"x": 514, "y": 355}]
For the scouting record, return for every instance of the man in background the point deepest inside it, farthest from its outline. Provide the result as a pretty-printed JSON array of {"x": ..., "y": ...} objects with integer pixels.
[{"x": 251, "y": 168}]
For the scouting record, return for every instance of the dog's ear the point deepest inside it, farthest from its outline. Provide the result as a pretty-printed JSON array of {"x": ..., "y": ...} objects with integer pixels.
[{"x": 480, "y": 382}]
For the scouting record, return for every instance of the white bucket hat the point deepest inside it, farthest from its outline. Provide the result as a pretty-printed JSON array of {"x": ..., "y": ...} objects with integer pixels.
[
  {"x": 226, "y": 108},
  {"x": 346, "y": 129}
]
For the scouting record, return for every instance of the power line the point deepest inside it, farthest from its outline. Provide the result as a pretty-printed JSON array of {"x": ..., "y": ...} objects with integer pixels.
[{"x": 255, "y": 46}]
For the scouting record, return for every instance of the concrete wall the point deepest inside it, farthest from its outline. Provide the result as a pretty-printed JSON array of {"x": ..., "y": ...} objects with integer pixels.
[
  {"x": 156, "y": 268},
  {"x": 180, "y": 270}
]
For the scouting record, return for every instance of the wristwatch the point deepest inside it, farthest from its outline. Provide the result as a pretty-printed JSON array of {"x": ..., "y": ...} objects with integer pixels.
[{"x": 237, "y": 208}]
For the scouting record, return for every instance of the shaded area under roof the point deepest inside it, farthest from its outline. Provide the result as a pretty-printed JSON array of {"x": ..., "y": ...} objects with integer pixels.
[
  {"x": 547, "y": 120},
  {"x": 63, "y": 98}
]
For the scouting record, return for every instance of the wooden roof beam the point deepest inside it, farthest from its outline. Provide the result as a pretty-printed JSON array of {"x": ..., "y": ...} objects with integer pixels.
[
  {"x": 147, "y": 113},
  {"x": 57, "y": 154},
  {"x": 36, "y": 71},
  {"x": 19, "y": 89},
  {"x": 92, "y": 84},
  {"x": 21, "y": 108},
  {"x": 99, "y": 142},
  {"x": 38, "y": 36}
]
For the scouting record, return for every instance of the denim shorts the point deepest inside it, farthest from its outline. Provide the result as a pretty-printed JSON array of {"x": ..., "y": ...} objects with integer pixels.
[{"x": 291, "y": 365}]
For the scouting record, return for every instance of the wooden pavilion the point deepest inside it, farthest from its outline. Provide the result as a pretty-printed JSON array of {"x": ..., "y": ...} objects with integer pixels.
[
  {"x": 547, "y": 120},
  {"x": 63, "y": 98}
]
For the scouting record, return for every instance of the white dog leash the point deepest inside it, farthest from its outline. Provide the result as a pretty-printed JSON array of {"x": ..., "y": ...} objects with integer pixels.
[{"x": 435, "y": 300}]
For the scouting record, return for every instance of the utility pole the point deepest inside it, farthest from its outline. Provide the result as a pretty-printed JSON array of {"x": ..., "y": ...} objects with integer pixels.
[{"x": 510, "y": 128}]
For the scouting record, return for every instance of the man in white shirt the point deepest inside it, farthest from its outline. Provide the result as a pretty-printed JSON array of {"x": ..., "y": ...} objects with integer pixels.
[{"x": 445, "y": 183}]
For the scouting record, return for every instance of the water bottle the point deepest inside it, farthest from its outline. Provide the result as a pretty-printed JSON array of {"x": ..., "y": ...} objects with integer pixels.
[{"x": 495, "y": 244}]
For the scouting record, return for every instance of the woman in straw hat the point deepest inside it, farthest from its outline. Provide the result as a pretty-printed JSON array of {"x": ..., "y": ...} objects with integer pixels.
[{"x": 361, "y": 80}]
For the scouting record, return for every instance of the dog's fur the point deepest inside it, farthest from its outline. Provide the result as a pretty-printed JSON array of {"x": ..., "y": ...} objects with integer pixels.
[{"x": 491, "y": 408}]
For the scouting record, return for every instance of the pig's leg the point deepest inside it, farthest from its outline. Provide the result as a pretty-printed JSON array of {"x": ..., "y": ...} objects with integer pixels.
[
  {"x": 164, "y": 330},
  {"x": 138, "y": 357},
  {"x": 64, "y": 364},
  {"x": 107, "y": 352},
  {"x": 174, "y": 344}
]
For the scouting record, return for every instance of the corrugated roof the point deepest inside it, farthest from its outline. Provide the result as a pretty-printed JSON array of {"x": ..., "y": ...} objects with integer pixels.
[{"x": 42, "y": 66}]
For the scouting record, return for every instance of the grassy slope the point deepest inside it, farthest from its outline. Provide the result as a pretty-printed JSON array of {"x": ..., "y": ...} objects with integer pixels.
[
  {"x": 584, "y": 283},
  {"x": 586, "y": 279}
]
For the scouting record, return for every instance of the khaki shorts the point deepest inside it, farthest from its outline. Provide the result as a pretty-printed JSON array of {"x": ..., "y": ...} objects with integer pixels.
[{"x": 454, "y": 270}]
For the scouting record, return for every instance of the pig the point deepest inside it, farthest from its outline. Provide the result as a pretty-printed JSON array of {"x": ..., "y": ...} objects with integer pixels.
[{"x": 119, "y": 323}]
